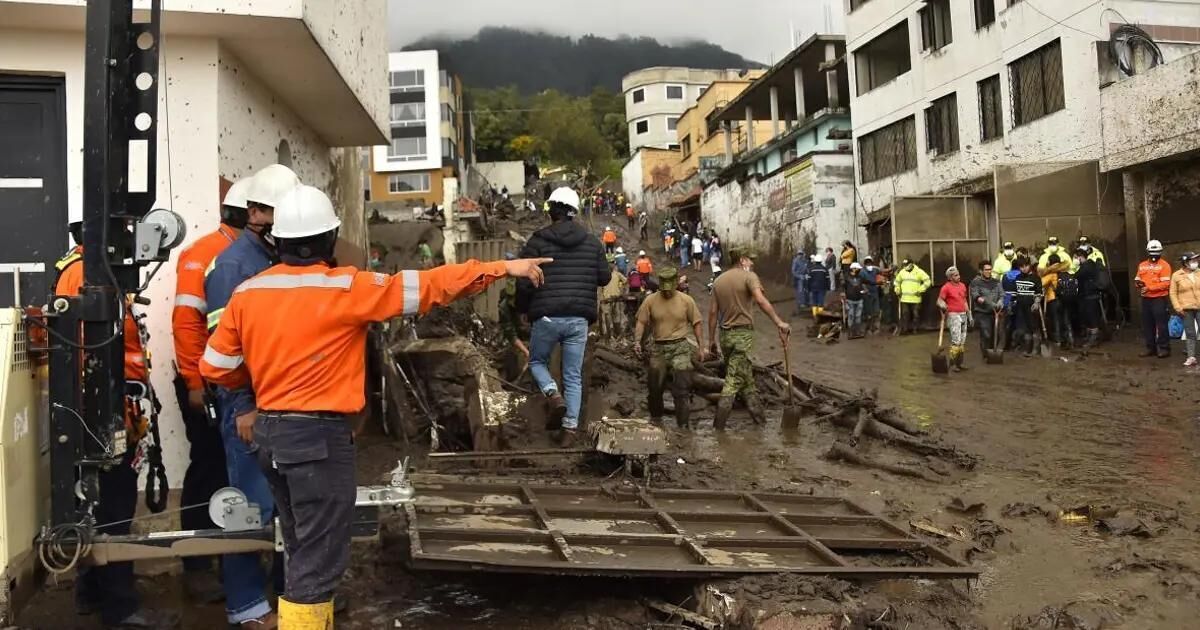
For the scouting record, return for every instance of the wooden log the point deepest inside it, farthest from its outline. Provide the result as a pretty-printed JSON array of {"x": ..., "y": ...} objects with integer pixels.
[
  {"x": 612, "y": 358},
  {"x": 782, "y": 382},
  {"x": 892, "y": 418},
  {"x": 864, "y": 418},
  {"x": 707, "y": 384},
  {"x": 895, "y": 437},
  {"x": 841, "y": 452}
]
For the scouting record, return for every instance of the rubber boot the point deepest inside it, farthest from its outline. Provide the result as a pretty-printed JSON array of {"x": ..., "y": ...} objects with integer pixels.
[
  {"x": 724, "y": 408},
  {"x": 754, "y": 406},
  {"x": 293, "y": 616},
  {"x": 681, "y": 391}
]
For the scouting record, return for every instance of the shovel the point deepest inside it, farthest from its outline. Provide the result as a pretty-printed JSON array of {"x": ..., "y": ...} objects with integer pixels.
[
  {"x": 938, "y": 360},
  {"x": 1044, "y": 346},
  {"x": 995, "y": 356},
  {"x": 791, "y": 413}
]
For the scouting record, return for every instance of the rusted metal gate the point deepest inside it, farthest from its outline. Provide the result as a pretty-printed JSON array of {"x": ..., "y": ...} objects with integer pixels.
[{"x": 672, "y": 533}]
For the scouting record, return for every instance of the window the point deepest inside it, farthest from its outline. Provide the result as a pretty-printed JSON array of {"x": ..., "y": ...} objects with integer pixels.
[
  {"x": 1037, "y": 84},
  {"x": 407, "y": 149},
  {"x": 1012, "y": 2},
  {"x": 883, "y": 59},
  {"x": 991, "y": 109},
  {"x": 672, "y": 123},
  {"x": 985, "y": 13},
  {"x": 686, "y": 145},
  {"x": 941, "y": 125},
  {"x": 674, "y": 92},
  {"x": 936, "y": 32},
  {"x": 408, "y": 182},
  {"x": 888, "y": 151},
  {"x": 444, "y": 79},
  {"x": 672, "y": 147},
  {"x": 447, "y": 113},
  {"x": 639, "y": 95},
  {"x": 449, "y": 149},
  {"x": 408, "y": 114},
  {"x": 407, "y": 80},
  {"x": 854, "y": 4},
  {"x": 641, "y": 127}
]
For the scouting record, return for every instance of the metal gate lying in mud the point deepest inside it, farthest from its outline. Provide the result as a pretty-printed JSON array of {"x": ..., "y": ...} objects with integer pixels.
[{"x": 664, "y": 533}]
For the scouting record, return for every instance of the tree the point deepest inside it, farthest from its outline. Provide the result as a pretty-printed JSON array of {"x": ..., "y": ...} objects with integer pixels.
[
  {"x": 523, "y": 147},
  {"x": 499, "y": 117},
  {"x": 566, "y": 130}
]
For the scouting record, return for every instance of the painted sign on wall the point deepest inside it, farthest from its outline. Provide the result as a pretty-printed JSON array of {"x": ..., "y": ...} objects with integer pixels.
[{"x": 799, "y": 180}]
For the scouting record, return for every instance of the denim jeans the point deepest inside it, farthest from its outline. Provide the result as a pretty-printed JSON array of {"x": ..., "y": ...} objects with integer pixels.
[
  {"x": 801, "y": 292},
  {"x": 854, "y": 313},
  {"x": 243, "y": 576},
  {"x": 572, "y": 333},
  {"x": 1190, "y": 319}
]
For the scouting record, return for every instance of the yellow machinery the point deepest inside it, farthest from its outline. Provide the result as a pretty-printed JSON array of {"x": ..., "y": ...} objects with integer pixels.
[{"x": 24, "y": 462}]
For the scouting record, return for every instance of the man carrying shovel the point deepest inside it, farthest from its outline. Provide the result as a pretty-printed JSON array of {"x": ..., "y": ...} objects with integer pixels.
[
  {"x": 987, "y": 302},
  {"x": 953, "y": 301},
  {"x": 670, "y": 316}
]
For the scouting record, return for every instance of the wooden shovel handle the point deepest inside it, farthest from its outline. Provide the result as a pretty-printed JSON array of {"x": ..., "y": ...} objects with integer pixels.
[{"x": 941, "y": 330}]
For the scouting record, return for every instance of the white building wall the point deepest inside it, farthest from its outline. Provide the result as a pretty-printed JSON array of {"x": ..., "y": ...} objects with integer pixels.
[
  {"x": 1073, "y": 133},
  {"x": 656, "y": 107},
  {"x": 426, "y": 60},
  {"x": 631, "y": 179},
  {"x": 500, "y": 174}
]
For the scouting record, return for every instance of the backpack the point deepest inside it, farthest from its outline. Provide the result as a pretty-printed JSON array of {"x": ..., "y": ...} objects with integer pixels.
[
  {"x": 635, "y": 281},
  {"x": 1068, "y": 286},
  {"x": 1175, "y": 327},
  {"x": 1103, "y": 278}
]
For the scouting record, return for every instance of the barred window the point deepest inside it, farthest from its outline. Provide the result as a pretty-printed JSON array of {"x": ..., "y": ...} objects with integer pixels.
[
  {"x": 888, "y": 151},
  {"x": 936, "y": 30},
  {"x": 941, "y": 125},
  {"x": 1037, "y": 84},
  {"x": 985, "y": 13},
  {"x": 991, "y": 110}
]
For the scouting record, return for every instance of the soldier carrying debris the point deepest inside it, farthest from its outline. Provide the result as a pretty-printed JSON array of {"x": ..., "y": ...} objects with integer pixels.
[
  {"x": 734, "y": 294},
  {"x": 670, "y": 315}
]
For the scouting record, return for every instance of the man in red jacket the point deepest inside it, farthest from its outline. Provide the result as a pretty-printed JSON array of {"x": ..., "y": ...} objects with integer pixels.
[{"x": 953, "y": 301}]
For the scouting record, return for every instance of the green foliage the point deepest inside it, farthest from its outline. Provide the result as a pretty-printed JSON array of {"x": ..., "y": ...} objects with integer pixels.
[{"x": 498, "y": 118}]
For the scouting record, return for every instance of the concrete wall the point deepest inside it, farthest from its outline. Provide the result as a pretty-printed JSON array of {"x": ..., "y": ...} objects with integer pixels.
[
  {"x": 756, "y": 211},
  {"x": 1137, "y": 126},
  {"x": 501, "y": 174},
  {"x": 656, "y": 107},
  {"x": 354, "y": 37},
  {"x": 631, "y": 178},
  {"x": 1070, "y": 134}
]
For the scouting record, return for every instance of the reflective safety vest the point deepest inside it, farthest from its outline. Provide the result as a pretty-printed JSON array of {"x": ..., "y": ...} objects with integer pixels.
[
  {"x": 911, "y": 285},
  {"x": 189, "y": 318},
  {"x": 299, "y": 332},
  {"x": 1002, "y": 265}
]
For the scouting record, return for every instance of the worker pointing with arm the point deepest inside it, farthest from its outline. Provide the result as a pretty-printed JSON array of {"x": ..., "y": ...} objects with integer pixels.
[{"x": 298, "y": 331}]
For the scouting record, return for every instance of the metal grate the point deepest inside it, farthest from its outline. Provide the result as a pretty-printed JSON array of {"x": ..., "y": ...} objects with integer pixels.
[
  {"x": 20, "y": 360},
  {"x": 941, "y": 125},
  {"x": 888, "y": 151},
  {"x": 1037, "y": 84},
  {"x": 991, "y": 111},
  {"x": 677, "y": 533}
]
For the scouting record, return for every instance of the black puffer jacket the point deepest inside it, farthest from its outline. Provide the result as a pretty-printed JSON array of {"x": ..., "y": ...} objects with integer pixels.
[{"x": 579, "y": 267}]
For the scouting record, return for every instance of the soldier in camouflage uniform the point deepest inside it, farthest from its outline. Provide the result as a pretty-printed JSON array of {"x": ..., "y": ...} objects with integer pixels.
[
  {"x": 735, "y": 293},
  {"x": 510, "y": 326},
  {"x": 670, "y": 316}
]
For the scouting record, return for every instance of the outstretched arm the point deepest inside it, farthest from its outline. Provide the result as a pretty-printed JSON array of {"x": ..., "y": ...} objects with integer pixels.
[{"x": 765, "y": 305}]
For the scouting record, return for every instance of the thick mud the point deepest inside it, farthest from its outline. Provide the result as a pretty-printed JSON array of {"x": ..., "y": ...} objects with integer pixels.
[{"x": 1059, "y": 445}]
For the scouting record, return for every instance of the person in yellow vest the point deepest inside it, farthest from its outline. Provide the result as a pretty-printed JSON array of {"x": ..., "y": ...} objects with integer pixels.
[
  {"x": 1093, "y": 254},
  {"x": 911, "y": 284},
  {"x": 1053, "y": 248},
  {"x": 1004, "y": 261}
]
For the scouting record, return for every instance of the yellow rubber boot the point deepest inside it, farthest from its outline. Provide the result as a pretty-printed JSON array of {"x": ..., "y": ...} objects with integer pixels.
[{"x": 293, "y": 616}]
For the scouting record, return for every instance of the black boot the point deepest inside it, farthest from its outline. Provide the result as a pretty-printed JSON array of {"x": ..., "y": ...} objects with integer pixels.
[
  {"x": 754, "y": 406},
  {"x": 681, "y": 392},
  {"x": 724, "y": 408}
]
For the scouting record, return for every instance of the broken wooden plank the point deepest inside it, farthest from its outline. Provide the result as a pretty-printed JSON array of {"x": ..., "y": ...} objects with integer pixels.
[
  {"x": 672, "y": 611},
  {"x": 844, "y": 453},
  {"x": 611, "y": 357}
]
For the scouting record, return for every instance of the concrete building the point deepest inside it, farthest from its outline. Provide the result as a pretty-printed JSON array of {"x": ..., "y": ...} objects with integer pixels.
[
  {"x": 241, "y": 85},
  {"x": 791, "y": 185},
  {"x": 647, "y": 166},
  {"x": 656, "y": 97},
  {"x": 430, "y": 134},
  {"x": 1152, "y": 139},
  {"x": 991, "y": 106}
]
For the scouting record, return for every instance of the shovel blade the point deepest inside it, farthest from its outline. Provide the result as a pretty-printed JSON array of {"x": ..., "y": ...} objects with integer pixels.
[
  {"x": 994, "y": 357},
  {"x": 791, "y": 417},
  {"x": 940, "y": 362}
]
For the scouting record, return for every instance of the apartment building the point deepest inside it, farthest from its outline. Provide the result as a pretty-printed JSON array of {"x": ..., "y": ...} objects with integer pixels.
[
  {"x": 429, "y": 131},
  {"x": 995, "y": 105},
  {"x": 655, "y": 99}
]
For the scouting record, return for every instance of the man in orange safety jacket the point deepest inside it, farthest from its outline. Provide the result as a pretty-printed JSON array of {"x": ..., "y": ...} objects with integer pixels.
[
  {"x": 298, "y": 330},
  {"x": 206, "y": 458},
  {"x": 1153, "y": 281}
]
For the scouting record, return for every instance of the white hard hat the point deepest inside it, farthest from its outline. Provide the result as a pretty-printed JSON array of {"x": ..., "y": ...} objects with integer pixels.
[
  {"x": 855, "y": 265},
  {"x": 270, "y": 184},
  {"x": 566, "y": 196},
  {"x": 642, "y": 253},
  {"x": 620, "y": 251},
  {"x": 607, "y": 228},
  {"x": 1154, "y": 247},
  {"x": 303, "y": 211},
  {"x": 236, "y": 195}
]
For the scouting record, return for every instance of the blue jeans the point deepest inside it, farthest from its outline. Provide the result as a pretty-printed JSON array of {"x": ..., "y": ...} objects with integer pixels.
[
  {"x": 854, "y": 312},
  {"x": 572, "y": 333},
  {"x": 816, "y": 295},
  {"x": 801, "y": 286},
  {"x": 243, "y": 576}
]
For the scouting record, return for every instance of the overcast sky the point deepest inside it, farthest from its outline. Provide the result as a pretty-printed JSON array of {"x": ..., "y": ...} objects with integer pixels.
[{"x": 756, "y": 29}]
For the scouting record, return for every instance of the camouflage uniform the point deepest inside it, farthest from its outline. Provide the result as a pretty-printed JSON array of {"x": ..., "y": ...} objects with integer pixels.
[
  {"x": 510, "y": 319},
  {"x": 671, "y": 359},
  {"x": 737, "y": 344}
]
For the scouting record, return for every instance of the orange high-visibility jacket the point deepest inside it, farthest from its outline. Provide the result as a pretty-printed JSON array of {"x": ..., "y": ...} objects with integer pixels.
[
  {"x": 300, "y": 333},
  {"x": 70, "y": 280},
  {"x": 1156, "y": 276},
  {"x": 188, "y": 323},
  {"x": 610, "y": 237}
]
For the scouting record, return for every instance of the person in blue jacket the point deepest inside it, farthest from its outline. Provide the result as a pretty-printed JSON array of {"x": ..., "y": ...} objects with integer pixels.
[{"x": 800, "y": 280}]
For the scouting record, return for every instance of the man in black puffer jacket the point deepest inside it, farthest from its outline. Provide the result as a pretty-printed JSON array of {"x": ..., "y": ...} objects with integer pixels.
[{"x": 563, "y": 307}]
